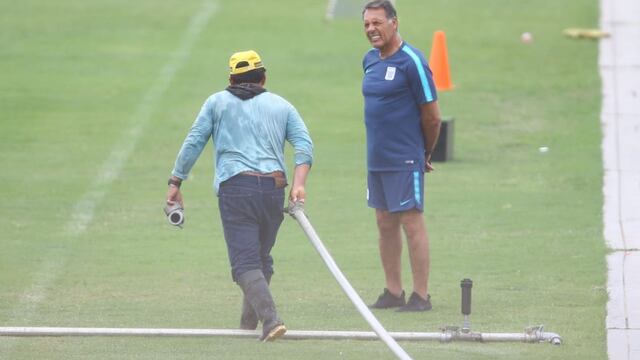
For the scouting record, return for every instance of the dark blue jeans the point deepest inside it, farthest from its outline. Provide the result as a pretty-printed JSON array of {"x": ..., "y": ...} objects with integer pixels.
[{"x": 251, "y": 209}]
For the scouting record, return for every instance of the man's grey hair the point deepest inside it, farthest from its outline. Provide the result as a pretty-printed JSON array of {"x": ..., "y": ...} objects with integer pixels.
[{"x": 389, "y": 10}]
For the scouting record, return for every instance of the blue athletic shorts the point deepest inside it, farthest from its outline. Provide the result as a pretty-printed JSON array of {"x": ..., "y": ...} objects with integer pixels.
[{"x": 395, "y": 191}]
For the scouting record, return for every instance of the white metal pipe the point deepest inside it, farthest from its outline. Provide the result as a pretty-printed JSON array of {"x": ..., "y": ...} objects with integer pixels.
[
  {"x": 445, "y": 336},
  {"x": 23, "y": 331},
  {"x": 85, "y": 331},
  {"x": 297, "y": 212}
]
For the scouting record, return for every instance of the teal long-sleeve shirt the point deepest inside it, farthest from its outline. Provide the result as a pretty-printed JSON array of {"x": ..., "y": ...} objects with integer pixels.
[{"x": 248, "y": 135}]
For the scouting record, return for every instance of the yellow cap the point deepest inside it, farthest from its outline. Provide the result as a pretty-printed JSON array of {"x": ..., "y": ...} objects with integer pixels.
[{"x": 244, "y": 61}]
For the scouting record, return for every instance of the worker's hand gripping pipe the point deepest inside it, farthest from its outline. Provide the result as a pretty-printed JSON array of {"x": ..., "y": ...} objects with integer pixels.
[{"x": 297, "y": 212}]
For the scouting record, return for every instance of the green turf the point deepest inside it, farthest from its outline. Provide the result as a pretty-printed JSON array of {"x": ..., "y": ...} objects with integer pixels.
[{"x": 525, "y": 226}]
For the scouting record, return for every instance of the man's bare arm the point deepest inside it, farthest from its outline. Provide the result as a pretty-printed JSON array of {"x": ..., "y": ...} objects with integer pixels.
[{"x": 430, "y": 119}]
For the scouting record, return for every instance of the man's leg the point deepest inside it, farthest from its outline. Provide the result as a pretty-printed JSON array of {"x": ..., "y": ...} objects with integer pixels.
[
  {"x": 413, "y": 224},
  {"x": 248, "y": 317},
  {"x": 239, "y": 201},
  {"x": 256, "y": 291},
  {"x": 390, "y": 244},
  {"x": 271, "y": 219}
]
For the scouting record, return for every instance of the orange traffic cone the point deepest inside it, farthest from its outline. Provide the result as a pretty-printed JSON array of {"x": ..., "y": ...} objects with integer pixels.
[{"x": 439, "y": 62}]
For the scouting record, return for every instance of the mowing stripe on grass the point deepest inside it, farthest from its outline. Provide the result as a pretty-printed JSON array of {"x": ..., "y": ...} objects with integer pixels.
[{"x": 83, "y": 212}]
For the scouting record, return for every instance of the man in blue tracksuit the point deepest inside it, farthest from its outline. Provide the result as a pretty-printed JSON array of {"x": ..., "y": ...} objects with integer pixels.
[
  {"x": 403, "y": 123},
  {"x": 249, "y": 127}
]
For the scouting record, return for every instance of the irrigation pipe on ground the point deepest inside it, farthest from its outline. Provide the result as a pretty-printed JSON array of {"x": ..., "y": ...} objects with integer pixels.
[
  {"x": 296, "y": 210},
  {"x": 447, "y": 334},
  {"x": 534, "y": 334}
]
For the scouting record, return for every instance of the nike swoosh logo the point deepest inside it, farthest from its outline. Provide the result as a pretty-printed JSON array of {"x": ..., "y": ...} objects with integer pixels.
[{"x": 403, "y": 203}]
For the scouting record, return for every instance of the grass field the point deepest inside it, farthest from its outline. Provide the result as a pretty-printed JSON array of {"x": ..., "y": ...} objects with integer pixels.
[{"x": 96, "y": 97}]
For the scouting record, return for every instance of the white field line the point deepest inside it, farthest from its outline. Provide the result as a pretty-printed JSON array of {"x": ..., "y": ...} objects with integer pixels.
[
  {"x": 83, "y": 211},
  {"x": 331, "y": 9}
]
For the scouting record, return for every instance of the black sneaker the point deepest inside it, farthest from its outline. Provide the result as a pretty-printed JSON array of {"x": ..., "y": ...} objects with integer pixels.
[
  {"x": 417, "y": 303},
  {"x": 388, "y": 300}
]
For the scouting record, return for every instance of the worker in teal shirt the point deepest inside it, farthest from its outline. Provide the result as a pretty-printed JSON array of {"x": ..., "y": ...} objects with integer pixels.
[{"x": 249, "y": 127}]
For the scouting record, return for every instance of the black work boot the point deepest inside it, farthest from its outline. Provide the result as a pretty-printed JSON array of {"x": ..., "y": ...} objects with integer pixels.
[
  {"x": 249, "y": 318},
  {"x": 256, "y": 291}
]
